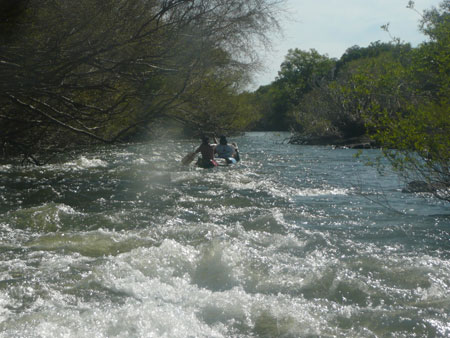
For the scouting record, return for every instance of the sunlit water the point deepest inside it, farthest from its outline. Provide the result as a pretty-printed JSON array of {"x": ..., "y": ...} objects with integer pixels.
[{"x": 294, "y": 241}]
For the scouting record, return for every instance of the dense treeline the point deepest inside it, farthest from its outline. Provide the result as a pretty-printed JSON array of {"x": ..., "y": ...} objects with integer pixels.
[
  {"x": 315, "y": 95},
  {"x": 77, "y": 72},
  {"x": 396, "y": 95}
]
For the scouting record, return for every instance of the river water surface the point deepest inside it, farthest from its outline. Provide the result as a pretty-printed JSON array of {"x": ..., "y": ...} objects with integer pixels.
[{"x": 294, "y": 241}]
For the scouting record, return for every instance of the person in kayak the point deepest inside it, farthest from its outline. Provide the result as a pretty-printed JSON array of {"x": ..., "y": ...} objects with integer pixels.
[
  {"x": 207, "y": 150},
  {"x": 226, "y": 151}
]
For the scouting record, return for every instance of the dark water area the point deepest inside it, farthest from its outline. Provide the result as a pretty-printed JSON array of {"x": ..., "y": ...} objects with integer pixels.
[{"x": 294, "y": 241}]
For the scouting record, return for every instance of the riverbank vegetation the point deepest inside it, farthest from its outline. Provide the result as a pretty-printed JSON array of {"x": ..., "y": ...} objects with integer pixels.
[
  {"x": 388, "y": 95},
  {"x": 89, "y": 71}
]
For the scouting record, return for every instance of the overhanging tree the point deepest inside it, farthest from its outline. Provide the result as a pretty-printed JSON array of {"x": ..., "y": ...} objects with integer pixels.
[{"x": 99, "y": 70}]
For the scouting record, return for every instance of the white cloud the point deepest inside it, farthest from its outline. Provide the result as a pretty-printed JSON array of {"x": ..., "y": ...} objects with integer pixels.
[{"x": 332, "y": 26}]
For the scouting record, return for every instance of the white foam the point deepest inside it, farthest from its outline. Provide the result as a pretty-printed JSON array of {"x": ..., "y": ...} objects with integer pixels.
[
  {"x": 85, "y": 163},
  {"x": 242, "y": 182},
  {"x": 140, "y": 161},
  {"x": 163, "y": 300},
  {"x": 4, "y": 301},
  {"x": 6, "y": 168},
  {"x": 322, "y": 192}
]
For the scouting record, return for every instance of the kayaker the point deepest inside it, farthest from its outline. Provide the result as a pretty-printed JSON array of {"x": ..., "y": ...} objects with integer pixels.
[
  {"x": 207, "y": 151},
  {"x": 226, "y": 151}
]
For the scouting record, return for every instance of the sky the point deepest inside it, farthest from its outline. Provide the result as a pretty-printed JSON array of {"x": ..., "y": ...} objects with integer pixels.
[{"x": 332, "y": 26}]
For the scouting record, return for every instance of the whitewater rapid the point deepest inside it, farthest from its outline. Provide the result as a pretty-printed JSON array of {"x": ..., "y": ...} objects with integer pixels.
[{"x": 294, "y": 241}]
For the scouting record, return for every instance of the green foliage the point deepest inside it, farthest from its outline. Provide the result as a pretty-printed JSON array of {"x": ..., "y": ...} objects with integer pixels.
[
  {"x": 340, "y": 108},
  {"x": 273, "y": 104},
  {"x": 319, "y": 96},
  {"x": 416, "y": 136},
  {"x": 302, "y": 70},
  {"x": 216, "y": 108},
  {"x": 372, "y": 51},
  {"x": 431, "y": 65},
  {"x": 300, "y": 73}
]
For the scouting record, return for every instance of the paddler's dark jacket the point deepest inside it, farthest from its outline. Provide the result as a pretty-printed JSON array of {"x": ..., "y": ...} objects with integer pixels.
[{"x": 207, "y": 151}]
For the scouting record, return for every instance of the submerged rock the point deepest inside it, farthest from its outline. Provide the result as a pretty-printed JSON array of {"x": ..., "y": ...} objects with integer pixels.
[
  {"x": 420, "y": 186},
  {"x": 360, "y": 142}
]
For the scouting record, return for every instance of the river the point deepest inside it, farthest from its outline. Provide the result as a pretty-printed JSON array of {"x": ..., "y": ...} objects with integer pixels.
[{"x": 294, "y": 241}]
